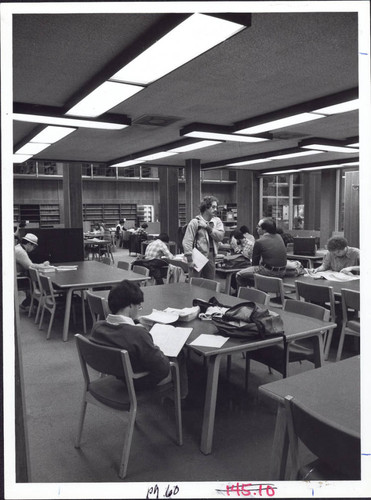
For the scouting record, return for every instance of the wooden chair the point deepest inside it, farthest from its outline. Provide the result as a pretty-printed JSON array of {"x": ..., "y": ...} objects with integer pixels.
[
  {"x": 280, "y": 356},
  {"x": 36, "y": 294},
  {"x": 338, "y": 450},
  {"x": 350, "y": 299},
  {"x": 116, "y": 391},
  {"x": 206, "y": 283},
  {"x": 141, "y": 270},
  {"x": 254, "y": 295},
  {"x": 271, "y": 285},
  {"x": 106, "y": 250},
  {"x": 123, "y": 264},
  {"x": 320, "y": 295},
  {"x": 97, "y": 307},
  {"x": 106, "y": 260}
]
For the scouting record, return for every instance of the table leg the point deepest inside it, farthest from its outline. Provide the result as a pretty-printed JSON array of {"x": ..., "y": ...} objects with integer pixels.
[
  {"x": 210, "y": 405},
  {"x": 318, "y": 350},
  {"x": 228, "y": 281},
  {"x": 67, "y": 313},
  {"x": 280, "y": 447}
]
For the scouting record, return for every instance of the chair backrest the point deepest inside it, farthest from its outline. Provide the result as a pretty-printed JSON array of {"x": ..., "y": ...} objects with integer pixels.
[
  {"x": 316, "y": 294},
  {"x": 35, "y": 280},
  {"x": 270, "y": 284},
  {"x": 106, "y": 260},
  {"x": 47, "y": 287},
  {"x": 306, "y": 309},
  {"x": 179, "y": 263},
  {"x": 206, "y": 283},
  {"x": 350, "y": 299},
  {"x": 96, "y": 306},
  {"x": 254, "y": 295},
  {"x": 123, "y": 264},
  {"x": 175, "y": 274},
  {"x": 140, "y": 270},
  {"x": 334, "y": 445}
]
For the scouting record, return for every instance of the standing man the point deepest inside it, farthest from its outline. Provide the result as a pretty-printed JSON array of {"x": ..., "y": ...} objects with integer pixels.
[
  {"x": 268, "y": 256},
  {"x": 204, "y": 232}
]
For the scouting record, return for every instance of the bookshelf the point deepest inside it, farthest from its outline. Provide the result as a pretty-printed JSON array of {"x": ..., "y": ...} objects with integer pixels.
[
  {"x": 45, "y": 215},
  {"x": 110, "y": 213}
]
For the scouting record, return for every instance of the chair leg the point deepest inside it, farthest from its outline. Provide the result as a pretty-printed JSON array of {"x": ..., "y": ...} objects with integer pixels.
[
  {"x": 31, "y": 306},
  {"x": 83, "y": 310},
  {"x": 81, "y": 423},
  {"x": 50, "y": 324},
  {"x": 328, "y": 344},
  {"x": 127, "y": 444},
  {"x": 38, "y": 311},
  {"x": 229, "y": 361},
  {"x": 247, "y": 371},
  {"x": 341, "y": 343},
  {"x": 41, "y": 318},
  {"x": 178, "y": 406}
]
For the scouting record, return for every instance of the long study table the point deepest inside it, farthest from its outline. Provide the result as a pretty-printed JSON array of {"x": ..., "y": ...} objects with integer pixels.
[
  {"x": 336, "y": 285},
  {"x": 332, "y": 391},
  {"x": 89, "y": 274},
  {"x": 179, "y": 295}
]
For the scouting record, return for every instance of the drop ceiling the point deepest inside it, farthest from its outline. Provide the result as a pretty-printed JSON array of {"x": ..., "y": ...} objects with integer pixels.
[{"x": 281, "y": 60}]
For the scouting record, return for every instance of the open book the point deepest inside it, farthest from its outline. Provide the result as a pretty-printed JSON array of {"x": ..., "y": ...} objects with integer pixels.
[
  {"x": 333, "y": 276},
  {"x": 170, "y": 339}
]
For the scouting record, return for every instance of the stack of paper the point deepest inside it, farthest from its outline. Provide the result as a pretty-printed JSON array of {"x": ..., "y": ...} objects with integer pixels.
[
  {"x": 170, "y": 339},
  {"x": 159, "y": 317},
  {"x": 66, "y": 268}
]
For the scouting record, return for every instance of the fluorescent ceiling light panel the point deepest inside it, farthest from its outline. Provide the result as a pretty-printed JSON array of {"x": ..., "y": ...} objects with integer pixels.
[
  {"x": 194, "y": 36},
  {"x": 192, "y": 147},
  {"x": 281, "y": 172},
  {"x": 224, "y": 137},
  {"x": 156, "y": 156},
  {"x": 32, "y": 148},
  {"x": 339, "y": 108},
  {"x": 248, "y": 162},
  {"x": 21, "y": 158},
  {"x": 333, "y": 149},
  {"x": 294, "y": 155},
  {"x": 106, "y": 96},
  {"x": 354, "y": 145},
  {"x": 127, "y": 163},
  {"x": 68, "y": 122},
  {"x": 323, "y": 167},
  {"x": 52, "y": 134},
  {"x": 280, "y": 123}
]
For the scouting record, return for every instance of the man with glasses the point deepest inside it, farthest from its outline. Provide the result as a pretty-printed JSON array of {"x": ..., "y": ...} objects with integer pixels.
[
  {"x": 204, "y": 232},
  {"x": 269, "y": 254},
  {"x": 120, "y": 330}
]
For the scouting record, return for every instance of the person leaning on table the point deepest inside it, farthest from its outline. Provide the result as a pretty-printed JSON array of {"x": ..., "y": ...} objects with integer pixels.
[
  {"x": 23, "y": 262},
  {"x": 340, "y": 257}
]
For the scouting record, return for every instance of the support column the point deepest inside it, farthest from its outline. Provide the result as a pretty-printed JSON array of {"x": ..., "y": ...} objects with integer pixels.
[
  {"x": 328, "y": 201},
  {"x": 192, "y": 188},
  {"x": 72, "y": 195},
  {"x": 247, "y": 199},
  {"x": 169, "y": 206}
]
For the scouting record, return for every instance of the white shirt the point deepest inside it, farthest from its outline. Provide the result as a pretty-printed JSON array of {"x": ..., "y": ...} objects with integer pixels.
[{"x": 118, "y": 319}]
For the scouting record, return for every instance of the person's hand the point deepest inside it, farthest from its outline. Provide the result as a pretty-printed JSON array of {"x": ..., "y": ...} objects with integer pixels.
[
  {"x": 191, "y": 264},
  {"x": 347, "y": 270},
  {"x": 202, "y": 224}
]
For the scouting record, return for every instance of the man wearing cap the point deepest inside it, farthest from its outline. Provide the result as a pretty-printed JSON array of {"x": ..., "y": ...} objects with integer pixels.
[{"x": 23, "y": 261}]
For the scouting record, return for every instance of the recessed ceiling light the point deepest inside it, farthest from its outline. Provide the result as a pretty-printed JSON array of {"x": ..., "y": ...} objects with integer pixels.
[
  {"x": 21, "y": 158},
  {"x": 339, "y": 108},
  {"x": 32, "y": 148},
  {"x": 280, "y": 123},
  {"x": 248, "y": 162},
  {"x": 52, "y": 134},
  {"x": 293, "y": 155},
  {"x": 224, "y": 137},
  {"x": 330, "y": 148},
  {"x": 68, "y": 122},
  {"x": 194, "y": 146}
]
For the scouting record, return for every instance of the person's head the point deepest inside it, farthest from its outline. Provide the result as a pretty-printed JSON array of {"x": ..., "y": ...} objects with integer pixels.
[
  {"x": 29, "y": 242},
  {"x": 209, "y": 207},
  {"x": 122, "y": 221},
  {"x": 126, "y": 295},
  {"x": 266, "y": 225},
  {"x": 244, "y": 229},
  {"x": 144, "y": 225},
  {"x": 337, "y": 245},
  {"x": 164, "y": 237},
  {"x": 238, "y": 235}
]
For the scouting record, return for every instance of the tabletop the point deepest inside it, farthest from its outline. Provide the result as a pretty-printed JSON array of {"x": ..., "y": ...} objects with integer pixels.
[{"x": 336, "y": 285}]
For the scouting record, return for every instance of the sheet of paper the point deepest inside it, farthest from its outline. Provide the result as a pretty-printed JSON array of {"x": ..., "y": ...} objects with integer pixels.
[
  {"x": 161, "y": 317},
  {"x": 206, "y": 340},
  {"x": 170, "y": 339},
  {"x": 333, "y": 276},
  {"x": 199, "y": 259}
]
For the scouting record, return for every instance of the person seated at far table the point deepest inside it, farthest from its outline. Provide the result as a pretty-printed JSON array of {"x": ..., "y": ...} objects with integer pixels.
[
  {"x": 121, "y": 329},
  {"x": 269, "y": 254},
  {"x": 287, "y": 237},
  {"x": 340, "y": 257},
  {"x": 246, "y": 233},
  {"x": 241, "y": 245},
  {"x": 155, "y": 251},
  {"x": 23, "y": 262}
]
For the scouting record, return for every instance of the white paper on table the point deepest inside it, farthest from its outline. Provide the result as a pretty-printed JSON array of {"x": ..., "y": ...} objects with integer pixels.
[
  {"x": 199, "y": 260},
  {"x": 161, "y": 317},
  {"x": 207, "y": 340},
  {"x": 170, "y": 339},
  {"x": 333, "y": 276}
]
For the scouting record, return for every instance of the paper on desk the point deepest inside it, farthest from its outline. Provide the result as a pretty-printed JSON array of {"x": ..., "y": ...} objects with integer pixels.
[
  {"x": 66, "y": 268},
  {"x": 161, "y": 317},
  {"x": 199, "y": 260},
  {"x": 169, "y": 339},
  {"x": 207, "y": 340},
  {"x": 332, "y": 276}
]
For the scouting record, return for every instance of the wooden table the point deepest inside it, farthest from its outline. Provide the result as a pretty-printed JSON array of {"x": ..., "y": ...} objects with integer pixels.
[
  {"x": 336, "y": 285},
  {"x": 332, "y": 391},
  {"x": 227, "y": 274},
  {"x": 89, "y": 274},
  {"x": 179, "y": 295},
  {"x": 311, "y": 259}
]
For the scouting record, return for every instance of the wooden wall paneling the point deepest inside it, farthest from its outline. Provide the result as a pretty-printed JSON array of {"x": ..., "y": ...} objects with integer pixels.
[
  {"x": 192, "y": 187},
  {"x": 168, "y": 210},
  {"x": 247, "y": 199},
  {"x": 312, "y": 200},
  {"x": 328, "y": 201},
  {"x": 72, "y": 195},
  {"x": 351, "y": 208}
]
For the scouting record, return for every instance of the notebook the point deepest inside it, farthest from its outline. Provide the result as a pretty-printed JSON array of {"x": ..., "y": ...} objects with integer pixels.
[{"x": 304, "y": 246}]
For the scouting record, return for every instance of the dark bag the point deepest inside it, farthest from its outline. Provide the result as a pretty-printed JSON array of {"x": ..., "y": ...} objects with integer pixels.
[{"x": 235, "y": 262}]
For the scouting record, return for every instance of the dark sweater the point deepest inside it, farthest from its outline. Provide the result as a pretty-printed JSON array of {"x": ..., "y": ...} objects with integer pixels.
[
  {"x": 269, "y": 249},
  {"x": 135, "y": 339}
]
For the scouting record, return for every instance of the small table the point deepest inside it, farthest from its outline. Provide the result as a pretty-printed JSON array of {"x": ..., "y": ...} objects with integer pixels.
[
  {"x": 227, "y": 274},
  {"x": 89, "y": 274},
  {"x": 332, "y": 391},
  {"x": 311, "y": 259}
]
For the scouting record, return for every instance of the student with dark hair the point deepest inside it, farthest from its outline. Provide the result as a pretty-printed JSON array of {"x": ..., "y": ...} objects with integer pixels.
[
  {"x": 241, "y": 245},
  {"x": 269, "y": 254},
  {"x": 204, "y": 232},
  {"x": 120, "y": 330},
  {"x": 246, "y": 232},
  {"x": 155, "y": 251},
  {"x": 340, "y": 257}
]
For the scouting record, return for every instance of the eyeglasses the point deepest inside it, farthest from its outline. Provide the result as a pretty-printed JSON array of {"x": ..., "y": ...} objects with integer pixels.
[{"x": 214, "y": 206}]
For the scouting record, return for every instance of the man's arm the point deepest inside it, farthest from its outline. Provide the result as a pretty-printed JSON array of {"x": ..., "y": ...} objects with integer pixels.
[
  {"x": 166, "y": 251},
  {"x": 326, "y": 264},
  {"x": 217, "y": 232},
  {"x": 256, "y": 254},
  {"x": 189, "y": 239}
]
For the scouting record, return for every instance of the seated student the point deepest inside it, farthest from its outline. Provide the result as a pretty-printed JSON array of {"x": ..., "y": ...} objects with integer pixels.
[
  {"x": 240, "y": 244},
  {"x": 155, "y": 250},
  {"x": 287, "y": 237},
  {"x": 269, "y": 254},
  {"x": 246, "y": 233},
  {"x": 23, "y": 262},
  {"x": 120, "y": 330},
  {"x": 141, "y": 231},
  {"x": 340, "y": 257}
]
